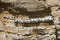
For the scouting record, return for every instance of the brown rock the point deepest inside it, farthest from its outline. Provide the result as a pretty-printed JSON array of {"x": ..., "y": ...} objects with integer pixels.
[
  {"x": 23, "y": 31},
  {"x": 56, "y": 15},
  {"x": 5, "y": 17},
  {"x": 12, "y": 36},
  {"x": 1, "y": 26},
  {"x": 11, "y": 30}
]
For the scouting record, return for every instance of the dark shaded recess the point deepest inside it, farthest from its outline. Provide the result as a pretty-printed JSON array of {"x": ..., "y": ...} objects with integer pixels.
[
  {"x": 36, "y": 24},
  {"x": 16, "y": 23},
  {"x": 56, "y": 33},
  {"x": 59, "y": 8},
  {"x": 39, "y": 31},
  {"x": 16, "y": 39},
  {"x": 27, "y": 34},
  {"x": 34, "y": 14},
  {"x": 42, "y": 0},
  {"x": 1, "y": 30},
  {"x": 5, "y": 6},
  {"x": 30, "y": 24},
  {"x": 58, "y": 39},
  {"x": 50, "y": 22},
  {"x": 23, "y": 11}
]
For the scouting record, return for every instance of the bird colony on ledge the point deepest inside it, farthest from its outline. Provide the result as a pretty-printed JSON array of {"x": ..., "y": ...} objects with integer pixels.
[{"x": 29, "y": 19}]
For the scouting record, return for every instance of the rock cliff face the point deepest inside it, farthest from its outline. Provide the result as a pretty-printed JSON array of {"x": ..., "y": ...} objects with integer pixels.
[
  {"x": 29, "y": 5},
  {"x": 29, "y": 20}
]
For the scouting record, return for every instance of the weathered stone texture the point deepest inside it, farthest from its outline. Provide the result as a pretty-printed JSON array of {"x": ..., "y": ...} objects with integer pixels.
[{"x": 11, "y": 29}]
